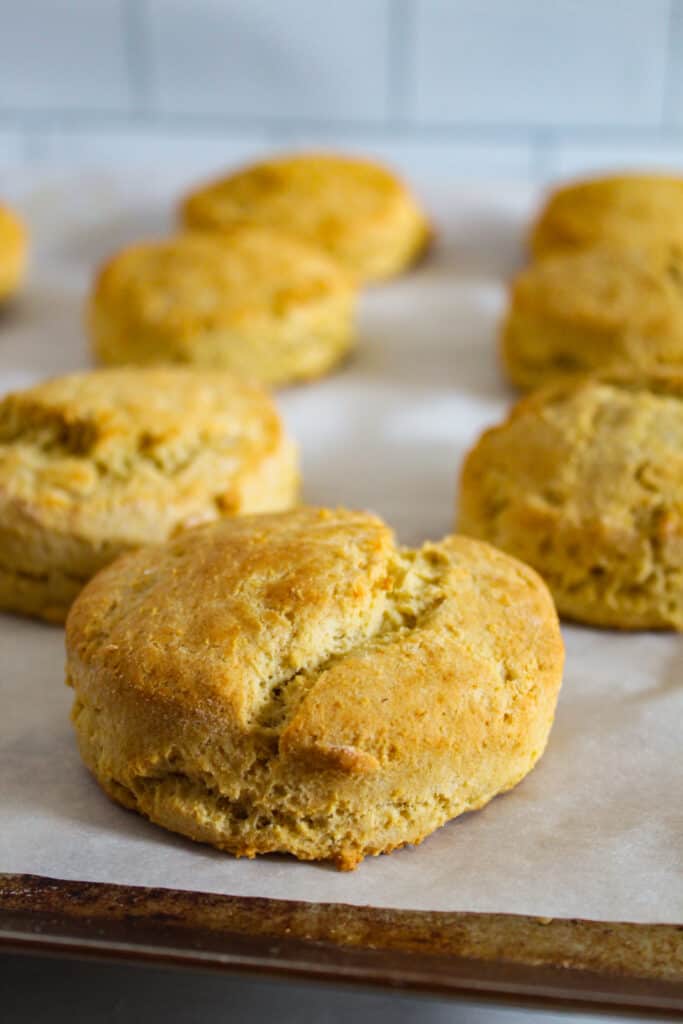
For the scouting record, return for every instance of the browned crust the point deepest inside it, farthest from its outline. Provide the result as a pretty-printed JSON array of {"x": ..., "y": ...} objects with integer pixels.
[
  {"x": 270, "y": 717},
  {"x": 372, "y": 245}
]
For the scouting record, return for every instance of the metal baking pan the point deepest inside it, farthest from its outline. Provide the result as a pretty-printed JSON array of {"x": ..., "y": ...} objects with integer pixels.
[{"x": 511, "y": 959}]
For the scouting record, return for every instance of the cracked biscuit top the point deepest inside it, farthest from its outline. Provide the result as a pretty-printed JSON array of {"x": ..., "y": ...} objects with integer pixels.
[
  {"x": 584, "y": 482},
  {"x": 94, "y": 463},
  {"x": 299, "y": 682},
  {"x": 124, "y": 450}
]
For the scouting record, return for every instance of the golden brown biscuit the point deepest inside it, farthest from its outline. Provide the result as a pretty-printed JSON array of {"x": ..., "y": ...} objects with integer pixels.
[
  {"x": 298, "y": 683},
  {"x": 253, "y": 302},
  {"x": 357, "y": 210},
  {"x": 602, "y": 308},
  {"x": 631, "y": 210},
  {"x": 12, "y": 252},
  {"x": 97, "y": 463},
  {"x": 585, "y": 483}
]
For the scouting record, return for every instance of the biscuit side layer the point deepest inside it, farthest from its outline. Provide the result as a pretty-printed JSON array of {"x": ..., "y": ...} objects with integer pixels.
[{"x": 597, "y": 309}]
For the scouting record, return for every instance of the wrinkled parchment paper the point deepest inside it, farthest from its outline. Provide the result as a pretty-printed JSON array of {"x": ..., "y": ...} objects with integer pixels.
[{"x": 595, "y": 831}]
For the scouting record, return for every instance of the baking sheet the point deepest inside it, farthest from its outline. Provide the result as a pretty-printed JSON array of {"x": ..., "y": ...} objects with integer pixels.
[{"x": 595, "y": 831}]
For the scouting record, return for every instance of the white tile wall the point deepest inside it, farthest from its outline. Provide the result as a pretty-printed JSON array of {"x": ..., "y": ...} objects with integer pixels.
[
  {"x": 562, "y": 62},
  {"x": 572, "y": 158},
  {"x": 63, "y": 54},
  {"x": 11, "y": 147},
  {"x": 673, "y": 99},
  {"x": 292, "y": 58},
  {"x": 204, "y": 153},
  {"x": 429, "y": 159},
  {"x": 443, "y": 88}
]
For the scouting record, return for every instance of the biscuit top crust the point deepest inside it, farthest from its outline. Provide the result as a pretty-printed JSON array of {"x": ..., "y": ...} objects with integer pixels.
[
  {"x": 197, "y": 282},
  {"x": 604, "y": 452},
  {"x": 312, "y": 626},
  {"x": 319, "y": 195},
  {"x": 628, "y": 209},
  {"x": 77, "y": 451},
  {"x": 606, "y": 287}
]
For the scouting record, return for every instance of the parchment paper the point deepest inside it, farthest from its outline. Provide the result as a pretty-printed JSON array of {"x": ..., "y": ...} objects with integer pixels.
[{"x": 595, "y": 831}]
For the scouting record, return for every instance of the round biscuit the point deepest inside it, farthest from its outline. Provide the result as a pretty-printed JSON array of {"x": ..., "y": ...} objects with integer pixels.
[
  {"x": 356, "y": 210},
  {"x": 598, "y": 309},
  {"x": 299, "y": 683},
  {"x": 253, "y": 301},
  {"x": 94, "y": 464},
  {"x": 584, "y": 482},
  {"x": 631, "y": 210}
]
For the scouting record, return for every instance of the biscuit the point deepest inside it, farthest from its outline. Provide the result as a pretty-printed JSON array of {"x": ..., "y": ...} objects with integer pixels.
[
  {"x": 584, "y": 482},
  {"x": 602, "y": 308},
  {"x": 254, "y": 302},
  {"x": 97, "y": 463},
  {"x": 358, "y": 211},
  {"x": 12, "y": 253},
  {"x": 630, "y": 210},
  {"x": 298, "y": 683}
]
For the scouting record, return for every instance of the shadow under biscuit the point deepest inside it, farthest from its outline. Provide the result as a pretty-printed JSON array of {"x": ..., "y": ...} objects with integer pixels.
[{"x": 11, "y": 312}]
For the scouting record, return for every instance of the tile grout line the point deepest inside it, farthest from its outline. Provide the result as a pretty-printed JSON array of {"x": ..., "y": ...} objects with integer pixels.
[
  {"x": 400, "y": 61},
  {"x": 30, "y": 147},
  {"x": 669, "y": 64},
  {"x": 543, "y": 145},
  {"x": 66, "y": 119},
  {"x": 136, "y": 39}
]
